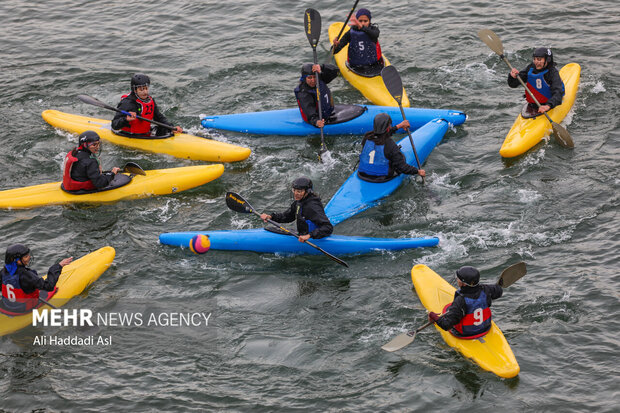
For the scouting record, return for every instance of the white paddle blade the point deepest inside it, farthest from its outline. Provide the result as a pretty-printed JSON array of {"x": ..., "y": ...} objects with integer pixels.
[{"x": 400, "y": 341}]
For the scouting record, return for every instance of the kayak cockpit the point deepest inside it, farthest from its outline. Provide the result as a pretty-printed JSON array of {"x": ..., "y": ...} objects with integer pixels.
[{"x": 345, "y": 113}]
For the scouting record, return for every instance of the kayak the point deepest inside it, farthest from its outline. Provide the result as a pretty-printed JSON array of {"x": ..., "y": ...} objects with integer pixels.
[
  {"x": 181, "y": 145},
  {"x": 357, "y": 195},
  {"x": 352, "y": 120},
  {"x": 372, "y": 88},
  {"x": 75, "y": 278},
  {"x": 491, "y": 351},
  {"x": 156, "y": 182},
  {"x": 263, "y": 241},
  {"x": 527, "y": 132}
]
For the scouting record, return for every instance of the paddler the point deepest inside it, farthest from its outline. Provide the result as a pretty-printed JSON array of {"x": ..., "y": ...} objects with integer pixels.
[
  {"x": 363, "y": 39},
  {"x": 469, "y": 314},
  {"x": 381, "y": 159},
  {"x": 21, "y": 284},
  {"x": 307, "y": 209},
  {"x": 543, "y": 79},
  {"x": 305, "y": 92},
  {"x": 82, "y": 169},
  {"x": 140, "y": 103}
]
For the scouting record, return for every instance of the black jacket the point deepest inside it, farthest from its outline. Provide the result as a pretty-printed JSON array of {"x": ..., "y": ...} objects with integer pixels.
[
  {"x": 458, "y": 309},
  {"x": 129, "y": 104},
  {"x": 372, "y": 31},
  {"x": 87, "y": 169},
  {"x": 392, "y": 152},
  {"x": 552, "y": 77},
  {"x": 30, "y": 280},
  {"x": 307, "y": 94},
  {"x": 310, "y": 208}
]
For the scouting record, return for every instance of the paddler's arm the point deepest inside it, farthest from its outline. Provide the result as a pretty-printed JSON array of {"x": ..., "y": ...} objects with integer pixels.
[
  {"x": 286, "y": 216},
  {"x": 342, "y": 42},
  {"x": 452, "y": 317},
  {"x": 397, "y": 159},
  {"x": 513, "y": 82},
  {"x": 100, "y": 180},
  {"x": 120, "y": 119},
  {"x": 372, "y": 31},
  {"x": 30, "y": 280},
  {"x": 329, "y": 72}
]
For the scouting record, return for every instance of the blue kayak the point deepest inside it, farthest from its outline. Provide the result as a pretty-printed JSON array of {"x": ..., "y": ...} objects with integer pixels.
[
  {"x": 351, "y": 120},
  {"x": 356, "y": 195},
  {"x": 261, "y": 240}
]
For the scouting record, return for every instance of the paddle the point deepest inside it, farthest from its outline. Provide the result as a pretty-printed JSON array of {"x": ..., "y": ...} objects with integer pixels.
[
  {"x": 96, "y": 102},
  {"x": 506, "y": 279},
  {"x": 238, "y": 204},
  {"x": 47, "y": 303},
  {"x": 495, "y": 43},
  {"x": 394, "y": 85},
  {"x": 344, "y": 25},
  {"x": 134, "y": 169},
  {"x": 312, "y": 25}
]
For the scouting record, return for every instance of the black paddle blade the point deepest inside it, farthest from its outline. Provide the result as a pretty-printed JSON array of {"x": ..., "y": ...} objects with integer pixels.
[
  {"x": 492, "y": 40},
  {"x": 93, "y": 101},
  {"x": 238, "y": 204},
  {"x": 562, "y": 136},
  {"x": 312, "y": 25},
  {"x": 133, "y": 168},
  {"x": 511, "y": 274},
  {"x": 393, "y": 83}
]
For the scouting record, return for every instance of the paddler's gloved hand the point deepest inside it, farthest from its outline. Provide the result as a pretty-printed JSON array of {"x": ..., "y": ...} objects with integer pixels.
[{"x": 433, "y": 317}]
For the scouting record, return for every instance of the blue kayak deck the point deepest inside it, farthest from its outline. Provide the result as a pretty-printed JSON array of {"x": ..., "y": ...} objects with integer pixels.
[
  {"x": 262, "y": 241},
  {"x": 289, "y": 121}
]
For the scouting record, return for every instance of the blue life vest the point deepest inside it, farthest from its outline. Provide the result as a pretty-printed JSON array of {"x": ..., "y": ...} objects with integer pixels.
[
  {"x": 304, "y": 226},
  {"x": 539, "y": 87},
  {"x": 327, "y": 103},
  {"x": 362, "y": 50},
  {"x": 13, "y": 296},
  {"x": 477, "y": 319},
  {"x": 373, "y": 160}
]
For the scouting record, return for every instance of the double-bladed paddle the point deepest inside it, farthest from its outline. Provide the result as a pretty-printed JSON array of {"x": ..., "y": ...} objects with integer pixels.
[
  {"x": 238, "y": 204},
  {"x": 495, "y": 43},
  {"x": 393, "y": 83},
  {"x": 506, "y": 279},
  {"x": 344, "y": 25},
  {"x": 312, "y": 26},
  {"x": 96, "y": 102}
]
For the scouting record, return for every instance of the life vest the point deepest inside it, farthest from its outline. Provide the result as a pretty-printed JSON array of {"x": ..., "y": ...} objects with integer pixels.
[
  {"x": 373, "y": 160},
  {"x": 145, "y": 110},
  {"x": 13, "y": 297},
  {"x": 304, "y": 226},
  {"x": 68, "y": 183},
  {"x": 327, "y": 103},
  {"x": 477, "y": 320},
  {"x": 362, "y": 50},
  {"x": 539, "y": 87}
]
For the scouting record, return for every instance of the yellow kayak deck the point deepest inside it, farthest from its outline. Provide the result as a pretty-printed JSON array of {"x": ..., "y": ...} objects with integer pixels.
[
  {"x": 155, "y": 182},
  {"x": 526, "y": 133},
  {"x": 75, "y": 278},
  {"x": 372, "y": 88},
  {"x": 491, "y": 352},
  {"x": 180, "y": 145}
]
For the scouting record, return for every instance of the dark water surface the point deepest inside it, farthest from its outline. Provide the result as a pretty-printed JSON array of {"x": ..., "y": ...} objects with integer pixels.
[{"x": 303, "y": 333}]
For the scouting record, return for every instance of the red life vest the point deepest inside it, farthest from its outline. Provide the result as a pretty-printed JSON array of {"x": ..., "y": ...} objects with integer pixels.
[
  {"x": 69, "y": 183},
  {"x": 145, "y": 110},
  {"x": 14, "y": 298}
]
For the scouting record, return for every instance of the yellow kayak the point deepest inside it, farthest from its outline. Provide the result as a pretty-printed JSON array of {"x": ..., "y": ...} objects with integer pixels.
[
  {"x": 526, "y": 133},
  {"x": 372, "y": 88},
  {"x": 155, "y": 182},
  {"x": 491, "y": 352},
  {"x": 75, "y": 278},
  {"x": 181, "y": 145}
]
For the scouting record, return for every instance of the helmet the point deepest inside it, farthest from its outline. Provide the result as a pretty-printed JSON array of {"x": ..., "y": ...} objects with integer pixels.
[
  {"x": 382, "y": 123},
  {"x": 544, "y": 52},
  {"x": 468, "y": 275},
  {"x": 306, "y": 69},
  {"x": 303, "y": 183},
  {"x": 87, "y": 137},
  {"x": 139, "y": 79},
  {"x": 15, "y": 252}
]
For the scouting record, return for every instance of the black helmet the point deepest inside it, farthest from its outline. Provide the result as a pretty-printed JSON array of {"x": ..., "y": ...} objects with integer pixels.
[
  {"x": 468, "y": 275},
  {"x": 544, "y": 52},
  {"x": 303, "y": 183},
  {"x": 139, "y": 79},
  {"x": 15, "y": 252},
  {"x": 306, "y": 69},
  {"x": 87, "y": 137},
  {"x": 382, "y": 123}
]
